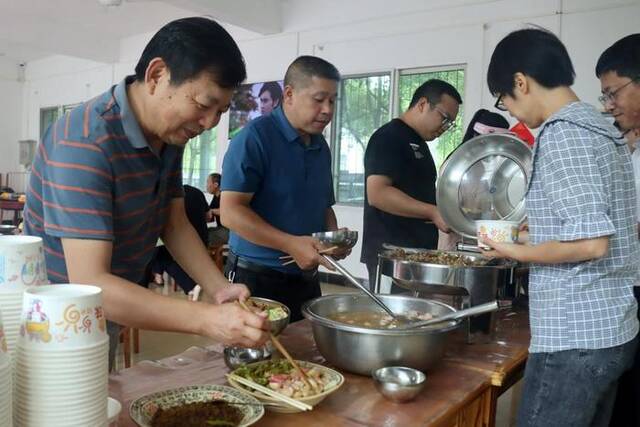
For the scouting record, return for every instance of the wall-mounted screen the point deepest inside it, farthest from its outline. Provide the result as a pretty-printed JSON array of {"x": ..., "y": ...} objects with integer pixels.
[{"x": 251, "y": 101}]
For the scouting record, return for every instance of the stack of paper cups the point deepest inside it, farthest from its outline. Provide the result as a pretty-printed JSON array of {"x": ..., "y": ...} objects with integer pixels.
[
  {"x": 5, "y": 381},
  {"x": 61, "y": 360},
  {"x": 22, "y": 266}
]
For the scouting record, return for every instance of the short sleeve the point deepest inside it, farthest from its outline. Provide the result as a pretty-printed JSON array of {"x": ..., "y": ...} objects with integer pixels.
[
  {"x": 383, "y": 158},
  {"x": 77, "y": 192},
  {"x": 174, "y": 182},
  {"x": 244, "y": 164},
  {"x": 332, "y": 195},
  {"x": 573, "y": 183}
]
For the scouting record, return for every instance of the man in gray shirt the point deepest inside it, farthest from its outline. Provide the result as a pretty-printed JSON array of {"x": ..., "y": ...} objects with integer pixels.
[{"x": 618, "y": 69}]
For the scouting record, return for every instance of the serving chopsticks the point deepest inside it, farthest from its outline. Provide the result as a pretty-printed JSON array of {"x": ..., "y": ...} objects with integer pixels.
[
  {"x": 285, "y": 353},
  {"x": 266, "y": 390},
  {"x": 291, "y": 260}
]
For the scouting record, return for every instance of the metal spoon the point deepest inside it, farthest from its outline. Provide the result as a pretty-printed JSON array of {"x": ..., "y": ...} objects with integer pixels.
[
  {"x": 455, "y": 315},
  {"x": 400, "y": 319}
]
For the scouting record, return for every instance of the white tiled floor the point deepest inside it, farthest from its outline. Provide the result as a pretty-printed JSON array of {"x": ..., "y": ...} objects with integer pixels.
[{"x": 157, "y": 345}]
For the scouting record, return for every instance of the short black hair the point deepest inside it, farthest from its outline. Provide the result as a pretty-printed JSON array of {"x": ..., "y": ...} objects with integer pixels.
[
  {"x": 536, "y": 53},
  {"x": 485, "y": 117},
  {"x": 303, "y": 68},
  {"x": 190, "y": 46},
  {"x": 433, "y": 90},
  {"x": 274, "y": 90},
  {"x": 215, "y": 177},
  {"x": 622, "y": 57}
]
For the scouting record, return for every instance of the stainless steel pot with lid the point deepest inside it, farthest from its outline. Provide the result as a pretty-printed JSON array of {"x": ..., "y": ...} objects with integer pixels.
[
  {"x": 485, "y": 178},
  {"x": 469, "y": 278}
]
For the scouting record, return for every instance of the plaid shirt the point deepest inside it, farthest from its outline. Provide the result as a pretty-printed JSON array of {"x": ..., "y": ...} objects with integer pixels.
[{"x": 582, "y": 187}]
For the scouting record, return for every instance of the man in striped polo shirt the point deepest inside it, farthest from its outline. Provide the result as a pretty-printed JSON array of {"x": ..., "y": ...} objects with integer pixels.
[{"x": 106, "y": 183}]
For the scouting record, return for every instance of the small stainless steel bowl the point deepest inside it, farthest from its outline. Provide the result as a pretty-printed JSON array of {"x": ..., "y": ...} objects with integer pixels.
[
  {"x": 234, "y": 357},
  {"x": 277, "y": 326},
  {"x": 7, "y": 229},
  {"x": 339, "y": 238},
  {"x": 399, "y": 383}
]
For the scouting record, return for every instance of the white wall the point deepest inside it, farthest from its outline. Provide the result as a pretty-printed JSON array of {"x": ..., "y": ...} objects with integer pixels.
[
  {"x": 11, "y": 87},
  {"x": 364, "y": 36}
]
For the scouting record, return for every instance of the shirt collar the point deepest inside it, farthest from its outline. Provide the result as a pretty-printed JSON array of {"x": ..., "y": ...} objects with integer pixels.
[
  {"x": 129, "y": 122},
  {"x": 583, "y": 115},
  {"x": 290, "y": 133}
]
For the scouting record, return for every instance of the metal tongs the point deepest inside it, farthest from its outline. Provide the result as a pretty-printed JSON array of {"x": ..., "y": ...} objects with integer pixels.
[
  {"x": 455, "y": 315},
  {"x": 346, "y": 239}
]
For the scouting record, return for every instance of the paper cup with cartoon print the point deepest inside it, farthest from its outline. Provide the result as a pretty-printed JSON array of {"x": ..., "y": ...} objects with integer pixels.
[
  {"x": 4, "y": 352},
  {"x": 62, "y": 316},
  {"x": 498, "y": 231},
  {"x": 22, "y": 263}
]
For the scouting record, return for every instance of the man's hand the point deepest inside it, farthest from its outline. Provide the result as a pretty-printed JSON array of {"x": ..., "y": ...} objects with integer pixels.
[
  {"x": 339, "y": 253},
  {"x": 210, "y": 215},
  {"x": 232, "y": 325},
  {"x": 304, "y": 250},
  {"x": 230, "y": 293},
  {"x": 438, "y": 221}
]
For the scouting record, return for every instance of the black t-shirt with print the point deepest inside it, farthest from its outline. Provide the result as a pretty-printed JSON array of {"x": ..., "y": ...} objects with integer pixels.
[
  {"x": 398, "y": 152},
  {"x": 215, "y": 204}
]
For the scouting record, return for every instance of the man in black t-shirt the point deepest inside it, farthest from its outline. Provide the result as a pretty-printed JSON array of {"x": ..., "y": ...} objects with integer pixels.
[
  {"x": 400, "y": 175},
  {"x": 218, "y": 234},
  {"x": 195, "y": 206}
]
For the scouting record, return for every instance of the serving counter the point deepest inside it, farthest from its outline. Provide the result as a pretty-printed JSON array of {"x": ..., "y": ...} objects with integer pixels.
[{"x": 461, "y": 391}]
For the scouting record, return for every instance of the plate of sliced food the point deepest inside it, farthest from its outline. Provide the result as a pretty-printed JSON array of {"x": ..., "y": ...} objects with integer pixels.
[{"x": 281, "y": 377}]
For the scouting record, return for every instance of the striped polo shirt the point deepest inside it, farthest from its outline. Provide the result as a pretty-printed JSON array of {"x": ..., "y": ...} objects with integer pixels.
[{"x": 95, "y": 177}]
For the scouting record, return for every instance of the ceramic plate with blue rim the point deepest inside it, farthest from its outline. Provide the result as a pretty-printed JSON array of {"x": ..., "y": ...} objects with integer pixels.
[{"x": 143, "y": 408}]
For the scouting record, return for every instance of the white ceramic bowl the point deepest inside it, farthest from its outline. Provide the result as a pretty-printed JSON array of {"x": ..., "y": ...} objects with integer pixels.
[
  {"x": 62, "y": 316},
  {"x": 21, "y": 262},
  {"x": 498, "y": 231},
  {"x": 113, "y": 410}
]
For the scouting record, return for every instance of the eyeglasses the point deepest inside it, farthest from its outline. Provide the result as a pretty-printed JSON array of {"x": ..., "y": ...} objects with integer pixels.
[
  {"x": 499, "y": 104},
  {"x": 447, "y": 123},
  {"x": 610, "y": 97}
]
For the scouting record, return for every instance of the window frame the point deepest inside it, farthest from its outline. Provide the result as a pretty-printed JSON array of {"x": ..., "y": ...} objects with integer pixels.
[
  {"x": 394, "y": 109},
  {"x": 335, "y": 125}
]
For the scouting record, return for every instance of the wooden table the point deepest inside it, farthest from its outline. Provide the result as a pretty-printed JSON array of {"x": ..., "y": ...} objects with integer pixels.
[
  {"x": 12, "y": 205},
  {"x": 460, "y": 391}
]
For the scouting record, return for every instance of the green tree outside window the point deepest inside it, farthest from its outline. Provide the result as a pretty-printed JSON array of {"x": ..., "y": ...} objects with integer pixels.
[
  {"x": 363, "y": 107},
  {"x": 199, "y": 159}
]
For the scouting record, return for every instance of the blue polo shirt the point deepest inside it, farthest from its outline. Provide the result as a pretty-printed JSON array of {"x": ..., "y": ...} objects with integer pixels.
[
  {"x": 95, "y": 177},
  {"x": 291, "y": 182}
]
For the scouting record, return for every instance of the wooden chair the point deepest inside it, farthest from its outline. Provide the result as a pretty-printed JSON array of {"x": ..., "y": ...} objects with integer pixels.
[{"x": 125, "y": 339}]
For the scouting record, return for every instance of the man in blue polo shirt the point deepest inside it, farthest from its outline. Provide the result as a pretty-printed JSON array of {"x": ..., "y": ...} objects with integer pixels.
[
  {"x": 277, "y": 189},
  {"x": 106, "y": 183}
]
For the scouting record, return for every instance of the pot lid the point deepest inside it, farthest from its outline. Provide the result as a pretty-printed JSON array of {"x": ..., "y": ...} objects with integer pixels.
[{"x": 484, "y": 178}]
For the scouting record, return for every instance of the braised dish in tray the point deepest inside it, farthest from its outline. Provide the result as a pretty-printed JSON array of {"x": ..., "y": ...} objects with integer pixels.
[
  {"x": 438, "y": 257},
  {"x": 213, "y": 413}
]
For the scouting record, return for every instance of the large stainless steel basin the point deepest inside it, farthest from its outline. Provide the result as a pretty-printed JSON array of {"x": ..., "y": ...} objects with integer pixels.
[{"x": 360, "y": 350}]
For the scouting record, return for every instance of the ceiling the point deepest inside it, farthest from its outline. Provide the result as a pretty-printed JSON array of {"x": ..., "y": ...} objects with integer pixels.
[{"x": 33, "y": 29}]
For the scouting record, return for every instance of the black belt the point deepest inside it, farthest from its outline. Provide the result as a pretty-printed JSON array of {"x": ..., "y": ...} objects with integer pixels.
[{"x": 234, "y": 261}]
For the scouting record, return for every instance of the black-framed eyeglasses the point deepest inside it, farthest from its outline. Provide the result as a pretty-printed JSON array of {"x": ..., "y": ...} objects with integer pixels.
[
  {"x": 447, "y": 123},
  {"x": 610, "y": 97},
  {"x": 499, "y": 104}
]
